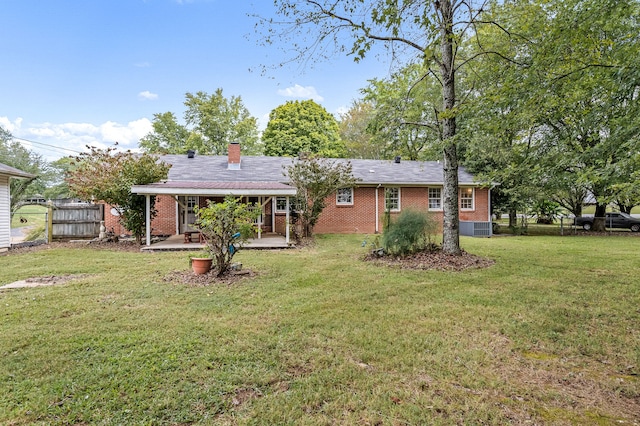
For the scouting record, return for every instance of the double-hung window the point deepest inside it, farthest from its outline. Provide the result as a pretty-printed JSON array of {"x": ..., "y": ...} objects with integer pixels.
[
  {"x": 435, "y": 198},
  {"x": 281, "y": 204},
  {"x": 344, "y": 197},
  {"x": 466, "y": 199},
  {"x": 392, "y": 199}
]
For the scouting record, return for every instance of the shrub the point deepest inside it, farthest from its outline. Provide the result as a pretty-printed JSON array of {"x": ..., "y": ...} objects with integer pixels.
[
  {"x": 411, "y": 232},
  {"x": 225, "y": 227}
]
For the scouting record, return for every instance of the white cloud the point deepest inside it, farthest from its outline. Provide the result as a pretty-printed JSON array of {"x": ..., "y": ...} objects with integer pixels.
[
  {"x": 147, "y": 96},
  {"x": 142, "y": 64},
  {"x": 70, "y": 138},
  {"x": 10, "y": 126},
  {"x": 297, "y": 91}
]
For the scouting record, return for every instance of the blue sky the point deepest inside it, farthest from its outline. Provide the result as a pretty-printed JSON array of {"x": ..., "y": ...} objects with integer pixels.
[{"x": 78, "y": 72}]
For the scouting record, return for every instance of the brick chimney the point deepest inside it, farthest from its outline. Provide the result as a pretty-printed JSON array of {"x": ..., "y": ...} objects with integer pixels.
[{"x": 234, "y": 156}]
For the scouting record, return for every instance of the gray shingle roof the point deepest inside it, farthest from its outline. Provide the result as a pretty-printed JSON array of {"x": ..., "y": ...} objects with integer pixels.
[
  {"x": 11, "y": 171},
  {"x": 203, "y": 168}
]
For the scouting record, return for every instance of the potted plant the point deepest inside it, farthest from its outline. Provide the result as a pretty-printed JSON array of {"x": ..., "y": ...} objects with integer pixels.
[{"x": 201, "y": 262}]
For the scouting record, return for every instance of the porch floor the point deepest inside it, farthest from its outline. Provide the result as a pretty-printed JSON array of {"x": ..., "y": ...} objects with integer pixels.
[{"x": 176, "y": 243}]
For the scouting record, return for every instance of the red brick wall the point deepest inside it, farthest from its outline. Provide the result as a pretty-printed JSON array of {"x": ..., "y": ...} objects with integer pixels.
[
  {"x": 357, "y": 218},
  {"x": 361, "y": 217},
  {"x": 163, "y": 224}
]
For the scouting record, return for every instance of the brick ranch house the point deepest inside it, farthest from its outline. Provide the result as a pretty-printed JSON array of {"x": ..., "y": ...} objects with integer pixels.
[{"x": 393, "y": 184}]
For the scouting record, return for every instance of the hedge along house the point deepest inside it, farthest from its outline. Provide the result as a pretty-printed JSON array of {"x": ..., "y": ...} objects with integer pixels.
[
  {"x": 392, "y": 185},
  {"x": 6, "y": 174}
]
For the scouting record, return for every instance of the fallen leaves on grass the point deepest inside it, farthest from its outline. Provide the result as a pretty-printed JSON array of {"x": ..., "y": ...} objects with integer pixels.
[
  {"x": 435, "y": 260},
  {"x": 189, "y": 278}
]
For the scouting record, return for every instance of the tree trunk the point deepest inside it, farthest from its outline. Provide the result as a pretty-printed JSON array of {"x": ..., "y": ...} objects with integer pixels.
[
  {"x": 451, "y": 219},
  {"x": 513, "y": 218},
  {"x": 598, "y": 218}
]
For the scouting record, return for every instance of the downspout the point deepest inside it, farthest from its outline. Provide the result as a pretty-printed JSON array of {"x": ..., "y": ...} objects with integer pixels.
[
  {"x": 377, "y": 210},
  {"x": 489, "y": 211},
  {"x": 148, "y": 218}
]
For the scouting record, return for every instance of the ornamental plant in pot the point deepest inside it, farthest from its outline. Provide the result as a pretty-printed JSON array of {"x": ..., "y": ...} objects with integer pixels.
[
  {"x": 201, "y": 262},
  {"x": 226, "y": 227}
]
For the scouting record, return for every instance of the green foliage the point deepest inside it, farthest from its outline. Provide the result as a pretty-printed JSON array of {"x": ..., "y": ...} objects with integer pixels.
[
  {"x": 226, "y": 227},
  {"x": 562, "y": 117},
  {"x": 107, "y": 175},
  {"x": 302, "y": 127},
  {"x": 212, "y": 123},
  {"x": 315, "y": 179},
  {"x": 14, "y": 154},
  {"x": 410, "y": 233},
  {"x": 354, "y": 131},
  {"x": 546, "y": 211},
  {"x": 405, "y": 117}
]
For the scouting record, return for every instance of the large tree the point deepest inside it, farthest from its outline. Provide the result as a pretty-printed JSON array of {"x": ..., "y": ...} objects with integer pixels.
[
  {"x": 14, "y": 154},
  {"x": 572, "y": 98},
  {"x": 302, "y": 126},
  {"x": 428, "y": 32},
  {"x": 108, "y": 174},
  {"x": 356, "y": 133},
  {"x": 212, "y": 122},
  {"x": 405, "y": 120}
]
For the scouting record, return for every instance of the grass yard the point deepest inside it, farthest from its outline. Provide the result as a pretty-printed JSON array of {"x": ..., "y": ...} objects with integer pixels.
[
  {"x": 31, "y": 215},
  {"x": 548, "y": 335}
]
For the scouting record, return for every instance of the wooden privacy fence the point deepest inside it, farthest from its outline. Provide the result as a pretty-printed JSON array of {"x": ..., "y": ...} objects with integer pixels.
[{"x": 75, "y": 221}]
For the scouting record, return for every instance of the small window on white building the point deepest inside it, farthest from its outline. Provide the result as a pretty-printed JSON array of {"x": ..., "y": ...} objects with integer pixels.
[
  {"x": 466, "y": 199},
  {"x": 392, "y": 199},
  {"x": 344, "y": 197},
  {"x": 435, "y": 198}
]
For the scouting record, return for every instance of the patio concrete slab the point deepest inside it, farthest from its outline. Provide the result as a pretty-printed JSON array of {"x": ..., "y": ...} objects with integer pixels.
[{"x": 176, "y": 243}]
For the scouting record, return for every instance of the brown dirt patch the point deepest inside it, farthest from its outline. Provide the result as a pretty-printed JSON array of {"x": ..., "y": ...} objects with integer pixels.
[
  {"x": 43, "y": 281},
  {"x": 187, "y": 277},
  {"x": 435, "y": 260}
]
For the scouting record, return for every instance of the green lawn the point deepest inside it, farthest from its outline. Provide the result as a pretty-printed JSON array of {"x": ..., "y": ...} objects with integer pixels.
[
  {"x": 549, "y": 335},
  {"x": 32, "y": 215}
]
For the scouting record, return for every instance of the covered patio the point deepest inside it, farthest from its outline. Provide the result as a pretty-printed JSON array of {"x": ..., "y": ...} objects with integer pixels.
[
  {"x": 262, "y": 192},
  {"x": 177, "y": 243}
]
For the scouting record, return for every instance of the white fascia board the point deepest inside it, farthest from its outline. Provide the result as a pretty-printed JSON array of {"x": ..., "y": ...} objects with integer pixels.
[{"x": 213, "y": 192}]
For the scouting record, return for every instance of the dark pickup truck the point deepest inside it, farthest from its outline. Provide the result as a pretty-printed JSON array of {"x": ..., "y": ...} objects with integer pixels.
[{"x": 611, "y": 220}]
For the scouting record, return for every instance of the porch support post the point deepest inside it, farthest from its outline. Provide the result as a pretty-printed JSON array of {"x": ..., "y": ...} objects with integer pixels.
[
  {"x": 287, "y": 223},
  {"x": 148, "y": 218}
]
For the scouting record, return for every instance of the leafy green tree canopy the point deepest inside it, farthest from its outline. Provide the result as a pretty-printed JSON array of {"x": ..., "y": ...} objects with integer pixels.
[
  {"x": 302, "y": 126},
  {"x": 107, "y": 175},
  {"x": 316, "y": 178},
  {"x": 212, "y": 122}
]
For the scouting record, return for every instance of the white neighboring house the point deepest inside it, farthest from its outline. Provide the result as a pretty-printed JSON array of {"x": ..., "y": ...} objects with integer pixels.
[{"x": 6, "y": 173}]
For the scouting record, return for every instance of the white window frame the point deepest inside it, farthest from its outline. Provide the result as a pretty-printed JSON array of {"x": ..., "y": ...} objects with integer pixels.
[
  {"x": 284, "y": 200},
  {"x": 340, "y": 197},
  {"x": 394, "y": 188},
  {"x": 472, "y": 198},
  {"x": 430, "y": 197}
]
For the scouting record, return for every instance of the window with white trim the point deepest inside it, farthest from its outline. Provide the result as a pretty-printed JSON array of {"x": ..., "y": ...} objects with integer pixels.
[
  {"x": 344, "y": 197},
  {"x": 466, "y": 199},
  {"x": 435, "y": 198},
  {"x": 392, "y": 199},
  {"x": 281, "y": 204}
]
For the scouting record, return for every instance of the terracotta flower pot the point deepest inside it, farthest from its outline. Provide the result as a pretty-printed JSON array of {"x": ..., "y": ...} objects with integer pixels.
[{"x": 201, "y": 265}]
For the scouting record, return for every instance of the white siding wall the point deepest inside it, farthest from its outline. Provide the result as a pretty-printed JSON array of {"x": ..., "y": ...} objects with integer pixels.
[{"x": 5, "y": 214}]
